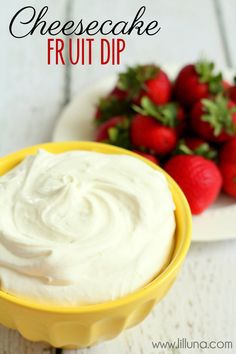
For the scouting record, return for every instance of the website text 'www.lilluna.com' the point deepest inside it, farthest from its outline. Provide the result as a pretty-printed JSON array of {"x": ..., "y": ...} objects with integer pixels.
[{"x": 183, "y": 343}]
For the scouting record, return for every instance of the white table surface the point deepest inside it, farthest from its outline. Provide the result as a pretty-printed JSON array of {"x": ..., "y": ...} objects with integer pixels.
[{"x": 201, "y": 304}]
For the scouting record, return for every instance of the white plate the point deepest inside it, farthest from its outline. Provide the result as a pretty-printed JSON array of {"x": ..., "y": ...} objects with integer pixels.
[{"x": 76, "y": 123}]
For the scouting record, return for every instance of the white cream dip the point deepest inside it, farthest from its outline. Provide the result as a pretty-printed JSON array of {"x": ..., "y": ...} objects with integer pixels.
[{"x": 82, "y": 227}]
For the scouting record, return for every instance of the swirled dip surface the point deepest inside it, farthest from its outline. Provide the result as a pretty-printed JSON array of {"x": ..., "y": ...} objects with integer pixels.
[{"x": 82, "y": 227}]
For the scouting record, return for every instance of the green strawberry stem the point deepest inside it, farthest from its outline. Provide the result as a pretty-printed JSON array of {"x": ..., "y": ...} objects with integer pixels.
[
  {"x": 206, "y": 74},
  {"x": 165, "y": 114},
  {"x": 134, "y": 78},
  {"x": 204, "y": 150},
  {"x": 110, "y": 107},
  {"x": 219, "y": 115},
  {"x": 119, "y": 135}
]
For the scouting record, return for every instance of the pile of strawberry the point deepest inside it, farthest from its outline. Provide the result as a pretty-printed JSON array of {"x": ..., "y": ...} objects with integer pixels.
[{"x": 187, "y": 126}]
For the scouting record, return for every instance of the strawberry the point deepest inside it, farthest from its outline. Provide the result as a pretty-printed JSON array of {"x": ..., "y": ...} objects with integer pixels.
[
  {"x": 228, "y": 171},
  {"x": 148, "y": 80},
  {"x": 119, "y": 94},
  {"x": 115, "y": 131},
  {"x": 194, "y": 143},
  {"x": 226, "y": 86},
  {"x": 228, "y": 152},
  {"x": 199, "y": 178},
  {"x": 158, "y": 89},
  {"x": 147, "y": 156},
  {"x": 232, "y": 91},
  {"x": 170, "y": 114},
  {"x": 228, "y": 167},
  {"x": 214, "y": 120},
  {"x": 115, "y": 104},
  {"x": 197, "y": 81},
  {"x": 196, "y": 146},
  {"x": 148, "y": 133}
]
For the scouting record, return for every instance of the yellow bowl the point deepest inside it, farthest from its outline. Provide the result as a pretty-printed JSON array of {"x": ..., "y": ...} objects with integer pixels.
[{"x": 85, "y": 325}]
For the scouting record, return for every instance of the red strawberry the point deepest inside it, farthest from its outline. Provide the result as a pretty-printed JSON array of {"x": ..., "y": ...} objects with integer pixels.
[
  {"x": 228, "y": 167},
  {"x": 226, "y": 86},
  {"x": 228, "y": 171},
  {"x": 232, "y": 93},
  {"x": 119, "y": 94},
  {"x": 195, "y": 146},
  {"x": 148, "y": 80},
  {"x": 214, "y": 120},
  {"x": 194, "y": 143},
  {"x": 115, "y": 131},
  {"x": 147, "y": 156},
  {"x": 158, "y": 89},
  {"x": 197, "y": 81},
  {"x": 199, "y": 178},
  {"x": 228, "y": 152},
  {"x": 97, "y": 114},
  {"x": 148, "y": 133},
  {"x": 170, "y": 114},
  {"x": 102, "y": 132}
]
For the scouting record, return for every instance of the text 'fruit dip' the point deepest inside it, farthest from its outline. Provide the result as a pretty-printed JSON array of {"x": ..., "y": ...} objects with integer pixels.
[{"x": 82, "y": 227}]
